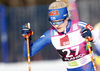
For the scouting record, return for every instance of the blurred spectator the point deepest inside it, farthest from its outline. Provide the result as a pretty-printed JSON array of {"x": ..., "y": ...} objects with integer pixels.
[{"x": 97, "y": 44}]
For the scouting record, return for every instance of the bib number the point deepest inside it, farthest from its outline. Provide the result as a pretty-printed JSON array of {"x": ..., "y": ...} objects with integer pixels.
[{"x": 69, "y": 52}]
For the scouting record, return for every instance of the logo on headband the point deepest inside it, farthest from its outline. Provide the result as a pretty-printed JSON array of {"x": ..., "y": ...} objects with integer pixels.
[{"x": 54, "y": 13}]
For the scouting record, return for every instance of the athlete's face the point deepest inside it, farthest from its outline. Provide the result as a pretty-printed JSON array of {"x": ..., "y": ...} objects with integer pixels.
[{"x": 60, "y": 27}]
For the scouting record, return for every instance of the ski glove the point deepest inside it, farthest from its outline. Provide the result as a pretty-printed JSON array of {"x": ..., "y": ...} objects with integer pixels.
[
  {"x": 26, "y": 32},
  {"x": 86, "y": 33}
]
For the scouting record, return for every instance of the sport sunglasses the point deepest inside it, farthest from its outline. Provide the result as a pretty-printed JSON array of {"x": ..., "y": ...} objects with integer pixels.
[{"x": 57, "y": 23}]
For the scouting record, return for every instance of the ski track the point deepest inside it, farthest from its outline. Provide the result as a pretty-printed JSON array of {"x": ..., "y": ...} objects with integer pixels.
[{"x": 46, "y": 65}]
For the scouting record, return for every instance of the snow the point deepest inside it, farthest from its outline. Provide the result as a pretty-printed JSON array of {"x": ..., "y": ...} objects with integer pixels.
[{"x": 51, "y": 65}]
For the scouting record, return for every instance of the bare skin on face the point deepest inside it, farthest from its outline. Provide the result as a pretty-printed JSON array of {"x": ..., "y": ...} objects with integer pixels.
[{"x": 62, "y": 27}]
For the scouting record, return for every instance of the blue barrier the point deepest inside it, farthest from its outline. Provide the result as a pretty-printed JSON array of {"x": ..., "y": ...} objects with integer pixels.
[{"x": 3, "y": 34}]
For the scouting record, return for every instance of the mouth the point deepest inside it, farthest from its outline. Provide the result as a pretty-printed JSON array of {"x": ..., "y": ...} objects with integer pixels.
[{"x": 58, "y": 27}]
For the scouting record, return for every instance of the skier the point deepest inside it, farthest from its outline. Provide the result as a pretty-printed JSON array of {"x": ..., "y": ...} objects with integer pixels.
[
  {"x": 67, "y": 36},
  {"x": 96, "y": 35}
]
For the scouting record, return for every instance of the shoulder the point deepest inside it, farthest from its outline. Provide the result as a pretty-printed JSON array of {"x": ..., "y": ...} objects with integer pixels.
[
  {"x": 46, "y": 37},
  {"x": 46, "y": 34},
  {"x": 82, "y": 23}
]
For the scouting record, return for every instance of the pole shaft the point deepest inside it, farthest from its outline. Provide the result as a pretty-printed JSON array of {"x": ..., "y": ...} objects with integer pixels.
[
  {"x": 91, "y": 56},
  {"x": 28, "y": 52}
]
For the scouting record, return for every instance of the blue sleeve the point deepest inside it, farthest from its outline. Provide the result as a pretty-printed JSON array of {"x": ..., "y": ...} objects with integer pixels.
[
  {"x": 38, "y": 45},
  {"x": 82, "y": 24}
]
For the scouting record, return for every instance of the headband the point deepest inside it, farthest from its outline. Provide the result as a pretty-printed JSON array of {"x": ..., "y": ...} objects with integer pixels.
[{"x": 58, "y": 14}]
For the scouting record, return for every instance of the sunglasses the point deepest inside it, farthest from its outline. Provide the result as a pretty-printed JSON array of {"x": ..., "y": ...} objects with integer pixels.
[{"x": 57, "y": 23}]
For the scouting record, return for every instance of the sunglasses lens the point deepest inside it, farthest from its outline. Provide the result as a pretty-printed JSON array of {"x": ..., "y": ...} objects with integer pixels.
[{"x": 57, "y": 23}]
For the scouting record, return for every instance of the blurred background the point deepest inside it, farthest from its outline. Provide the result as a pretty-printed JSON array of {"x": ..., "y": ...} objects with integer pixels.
[{"x": 15, "y": 13}]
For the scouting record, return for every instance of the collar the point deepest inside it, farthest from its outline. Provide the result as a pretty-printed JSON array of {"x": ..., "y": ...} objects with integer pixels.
[{"x": 67, "y": 27}]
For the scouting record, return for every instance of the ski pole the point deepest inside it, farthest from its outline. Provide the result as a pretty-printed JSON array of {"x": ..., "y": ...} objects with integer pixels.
[
  {"x": 28, "y": 51},
  {"x": 91, "y": 55}
]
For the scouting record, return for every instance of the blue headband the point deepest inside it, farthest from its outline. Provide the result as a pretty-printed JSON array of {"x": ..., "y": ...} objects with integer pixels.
[{"x": 58, "y": 14}]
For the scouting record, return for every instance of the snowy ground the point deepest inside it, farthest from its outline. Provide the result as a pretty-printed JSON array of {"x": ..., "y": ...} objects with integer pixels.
[{"x": 52, "y": 65}]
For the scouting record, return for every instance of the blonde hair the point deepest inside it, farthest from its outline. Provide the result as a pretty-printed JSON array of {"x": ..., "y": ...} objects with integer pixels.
[{"x": 57, "y": 4}]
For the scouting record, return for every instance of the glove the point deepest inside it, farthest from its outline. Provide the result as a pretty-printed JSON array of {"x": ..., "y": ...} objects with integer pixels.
[
  {"x": 86, "y": 33},
  {"x": 26, "y": 32}
]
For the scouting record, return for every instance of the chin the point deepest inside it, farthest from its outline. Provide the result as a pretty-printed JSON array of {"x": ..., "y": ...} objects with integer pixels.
[{"x": 60, "y": 31}]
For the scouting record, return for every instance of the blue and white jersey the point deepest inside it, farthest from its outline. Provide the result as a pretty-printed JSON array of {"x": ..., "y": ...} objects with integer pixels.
[{"x": 71, "y": 46}]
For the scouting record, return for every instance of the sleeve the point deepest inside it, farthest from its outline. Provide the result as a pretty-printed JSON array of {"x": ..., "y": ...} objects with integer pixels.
[
  {"x": 83, "y": 24},
  {"x": 36, "y": 46}
]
